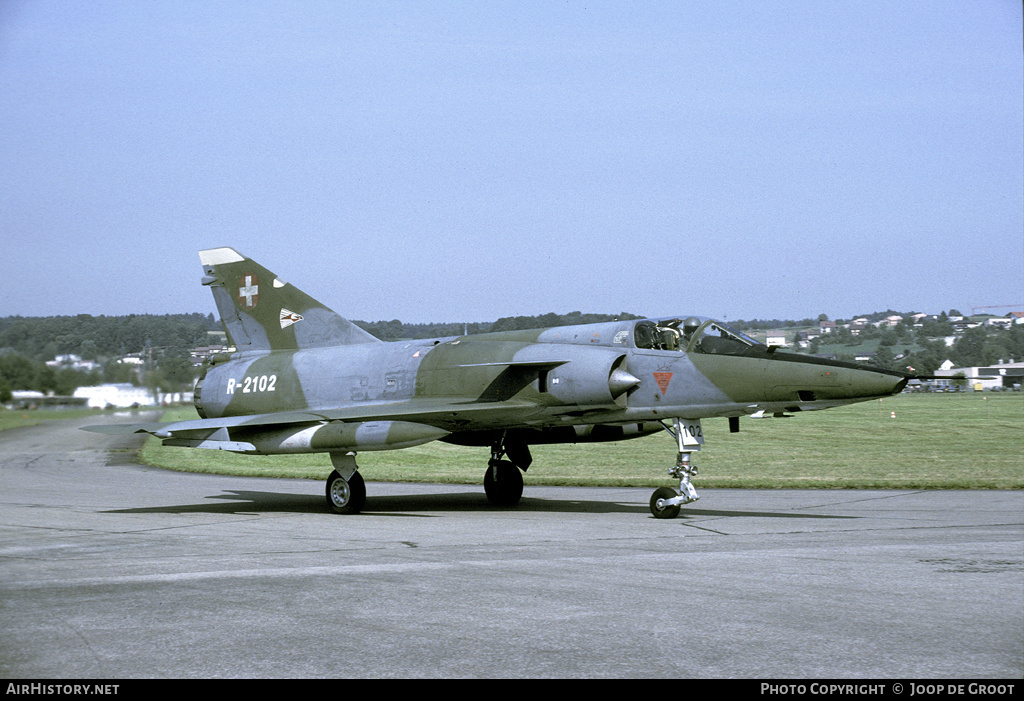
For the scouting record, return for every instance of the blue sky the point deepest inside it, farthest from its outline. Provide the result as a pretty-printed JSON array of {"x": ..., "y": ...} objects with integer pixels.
[{"x": 463, "y": 161}]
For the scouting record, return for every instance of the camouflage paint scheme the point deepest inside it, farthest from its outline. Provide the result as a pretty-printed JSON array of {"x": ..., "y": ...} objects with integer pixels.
[{"x": 304, "y": 379}]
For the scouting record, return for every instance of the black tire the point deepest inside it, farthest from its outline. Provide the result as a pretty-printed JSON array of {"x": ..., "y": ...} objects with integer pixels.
[
  {"x": 665, "y": 511},
  {"x": 346, "y": 497},
  {"x": 505, "y": 488}
]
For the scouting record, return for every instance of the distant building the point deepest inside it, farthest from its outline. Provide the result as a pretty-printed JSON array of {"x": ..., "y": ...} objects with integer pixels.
[
  {"x": 960, "y": 324},
  {"x": 124, "y": 394},
  {"x": 73, "y": 362},
  {"x": 999, "y": 376},
  {"x": 28, "y": 399},
  {"x": 803, "y": 338},
  {"x": 200, "y": 354}
]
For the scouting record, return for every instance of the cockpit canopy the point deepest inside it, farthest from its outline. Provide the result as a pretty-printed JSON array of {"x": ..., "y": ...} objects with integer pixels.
[{"x": 694, "y": 335}]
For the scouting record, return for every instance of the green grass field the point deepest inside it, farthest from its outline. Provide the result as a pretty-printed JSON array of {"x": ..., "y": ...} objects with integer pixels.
[
  {"x": 935, "y": 441},
  {"x": 12, "y": 418}
]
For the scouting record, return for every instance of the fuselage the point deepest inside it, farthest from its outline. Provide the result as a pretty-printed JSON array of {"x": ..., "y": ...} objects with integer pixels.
[{"x": 611, "y": 374}]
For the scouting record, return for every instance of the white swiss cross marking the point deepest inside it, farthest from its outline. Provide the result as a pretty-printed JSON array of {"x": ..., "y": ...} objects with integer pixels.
[{"x": 249, "y": 291}]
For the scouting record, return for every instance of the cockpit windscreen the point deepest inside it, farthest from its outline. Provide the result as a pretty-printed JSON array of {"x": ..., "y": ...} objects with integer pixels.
[{"x": 694, "y": 335}]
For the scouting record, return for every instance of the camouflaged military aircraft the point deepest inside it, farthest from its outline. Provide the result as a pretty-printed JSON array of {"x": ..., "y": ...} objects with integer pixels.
[{"x": 303, "y": 380}]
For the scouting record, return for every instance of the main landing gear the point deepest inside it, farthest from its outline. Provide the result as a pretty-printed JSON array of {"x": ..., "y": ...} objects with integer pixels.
[
  {"x": 346, "y": 491},
  {"x": 503, "y": 481},
  {"x": 665, "y": 501}
]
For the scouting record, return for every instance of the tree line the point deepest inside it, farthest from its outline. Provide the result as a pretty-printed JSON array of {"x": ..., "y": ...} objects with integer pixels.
[
  {"x": 93, "y": 337},
  {"x": 395, "y": 330},
  {"x": 163, "y": 343}
]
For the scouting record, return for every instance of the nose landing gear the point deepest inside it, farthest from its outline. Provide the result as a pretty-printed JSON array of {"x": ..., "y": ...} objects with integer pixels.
[{"x": 665, "y": 501}]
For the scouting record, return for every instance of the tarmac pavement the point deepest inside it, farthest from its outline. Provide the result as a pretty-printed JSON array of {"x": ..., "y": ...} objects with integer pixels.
[{"x": 113, "y": 570}]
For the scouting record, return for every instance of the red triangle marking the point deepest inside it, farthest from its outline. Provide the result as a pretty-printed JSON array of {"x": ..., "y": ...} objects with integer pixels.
[{"x": 663, "y": 378}]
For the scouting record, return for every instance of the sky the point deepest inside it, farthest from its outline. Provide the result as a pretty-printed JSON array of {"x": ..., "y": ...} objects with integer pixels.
[{"x": 466, "y": 161}]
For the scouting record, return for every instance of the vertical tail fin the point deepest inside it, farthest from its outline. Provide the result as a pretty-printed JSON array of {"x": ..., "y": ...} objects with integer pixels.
[{"x": 260, "y": 312}]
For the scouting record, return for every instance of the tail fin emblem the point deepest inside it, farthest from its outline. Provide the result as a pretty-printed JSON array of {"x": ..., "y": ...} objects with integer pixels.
[
  {"x": 249, "y": 291},
  {"x": 288, "y": 318}
]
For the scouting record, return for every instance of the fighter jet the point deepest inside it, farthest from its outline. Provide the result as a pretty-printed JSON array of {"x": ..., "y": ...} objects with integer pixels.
[{"x": 303, "y": 379}]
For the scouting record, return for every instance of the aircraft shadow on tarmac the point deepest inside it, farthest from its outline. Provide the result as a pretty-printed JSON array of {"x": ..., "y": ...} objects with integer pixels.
[{"x": 420, "y": 505}]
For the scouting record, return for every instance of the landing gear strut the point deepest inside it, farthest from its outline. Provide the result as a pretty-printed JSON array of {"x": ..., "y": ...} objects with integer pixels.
[
  {"x": 665, "y": 501},
  {"x": 346, "y": 491}
]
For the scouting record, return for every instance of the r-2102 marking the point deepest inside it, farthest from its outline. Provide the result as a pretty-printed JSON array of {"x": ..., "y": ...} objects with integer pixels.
[{"x": 255, "y": 383}]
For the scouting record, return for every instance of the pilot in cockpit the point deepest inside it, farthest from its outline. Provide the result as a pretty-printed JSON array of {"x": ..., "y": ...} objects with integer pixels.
[
  {"x": 689, "y": 327},
  {"x": 666, "y": 335}
]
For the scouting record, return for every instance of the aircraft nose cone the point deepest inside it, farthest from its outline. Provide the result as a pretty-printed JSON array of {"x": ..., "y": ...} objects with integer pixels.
[
  {"x": 812, "y": 379},
  {"x": 877, "y": 382}
]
